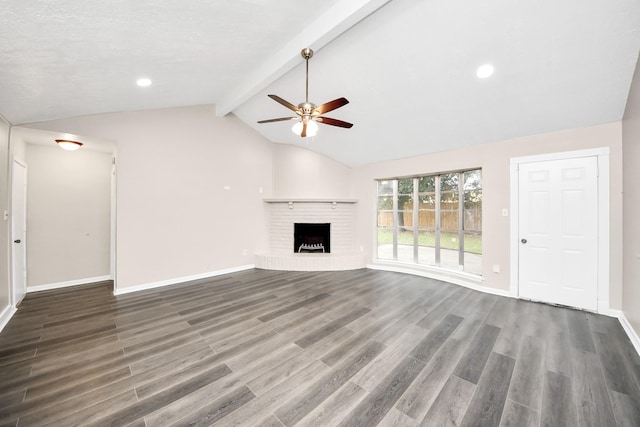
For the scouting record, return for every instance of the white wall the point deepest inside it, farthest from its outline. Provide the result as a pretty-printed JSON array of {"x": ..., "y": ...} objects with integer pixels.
[
  {"x": 175, "y": 218},
  {"x": 301, "y": 173},
  {"x": 68, "y": 214},
  {"x": 17, "y": 147},
  {"x": 631, "y": 164},
  {"x": 5, "y": 283},
  {"x": 494, "y": 160}
]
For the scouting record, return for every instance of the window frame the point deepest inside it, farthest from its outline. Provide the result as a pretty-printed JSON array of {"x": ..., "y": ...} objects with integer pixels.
[{"x": 460, "y": 193}]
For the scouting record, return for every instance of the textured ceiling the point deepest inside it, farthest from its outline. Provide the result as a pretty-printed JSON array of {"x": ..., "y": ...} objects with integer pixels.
[
  {"x": 74, "y": 57},
  {"x": 408, "y": 68}
]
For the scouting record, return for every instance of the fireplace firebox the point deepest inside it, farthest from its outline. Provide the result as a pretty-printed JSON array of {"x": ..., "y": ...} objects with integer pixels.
[{"x": 311, "y": 238}]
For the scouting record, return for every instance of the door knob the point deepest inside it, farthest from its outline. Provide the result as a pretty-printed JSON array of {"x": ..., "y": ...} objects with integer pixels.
[
  {"x": 524, "y": 240},
  {"x": 17, "y": 241}
]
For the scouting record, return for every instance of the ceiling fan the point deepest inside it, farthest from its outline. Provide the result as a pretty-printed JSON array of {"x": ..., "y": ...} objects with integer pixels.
[{"x": 307, "y": 112}]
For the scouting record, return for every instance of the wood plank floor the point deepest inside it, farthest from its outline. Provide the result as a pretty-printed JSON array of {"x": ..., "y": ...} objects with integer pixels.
[{"x": 269, "y": 348}]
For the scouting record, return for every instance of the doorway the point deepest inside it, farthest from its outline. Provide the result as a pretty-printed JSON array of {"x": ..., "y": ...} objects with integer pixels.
[
  {"x": 558, "y": 202},
  {"x": 18, "y": 231},
  {"x": 71, "y": 210}
]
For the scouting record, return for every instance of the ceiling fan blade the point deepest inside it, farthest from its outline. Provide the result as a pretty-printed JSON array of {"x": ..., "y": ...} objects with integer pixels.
[
  {"x": 304, "y": 129},
  {"x": 333, "y": 122},
  {"x": 331, "y": 105},
  {"x": 285, "y": 103},
  {"x": 281, "y": 119}
]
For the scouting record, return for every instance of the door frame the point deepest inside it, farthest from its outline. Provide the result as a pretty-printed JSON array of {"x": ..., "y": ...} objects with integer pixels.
[
  {"x": 114, "y": 212},
  {"x": 602, "y": 155},
  {"x": 14, "y": 301}
]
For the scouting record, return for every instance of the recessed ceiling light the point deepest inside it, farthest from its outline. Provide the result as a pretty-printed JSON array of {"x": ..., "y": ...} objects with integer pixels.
[
  {"x": 143, "y": 82},
  {"x": 484, "y": 71}
]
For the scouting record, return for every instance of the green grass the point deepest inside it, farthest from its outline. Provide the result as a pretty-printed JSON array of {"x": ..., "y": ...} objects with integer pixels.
[{"x": 472, "y": 242}]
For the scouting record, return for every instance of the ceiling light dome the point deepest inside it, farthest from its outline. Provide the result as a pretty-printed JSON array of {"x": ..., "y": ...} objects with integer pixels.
[{"x": 68, "y": 145}]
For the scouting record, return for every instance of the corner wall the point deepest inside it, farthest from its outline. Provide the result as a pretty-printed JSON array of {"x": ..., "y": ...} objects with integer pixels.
[
  {"x": 302, "y": 173},
  {"x": 494, "y": 160},
  {"x": 188, "y": 191},
  {"x": 631, "y": 201}
]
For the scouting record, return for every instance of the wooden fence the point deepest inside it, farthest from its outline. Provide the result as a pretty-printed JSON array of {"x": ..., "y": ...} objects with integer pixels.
[{"x": 427, "y": 218}]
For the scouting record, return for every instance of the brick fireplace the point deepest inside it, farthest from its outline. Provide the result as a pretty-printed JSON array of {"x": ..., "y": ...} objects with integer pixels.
[{"x": 336, "y": 215}]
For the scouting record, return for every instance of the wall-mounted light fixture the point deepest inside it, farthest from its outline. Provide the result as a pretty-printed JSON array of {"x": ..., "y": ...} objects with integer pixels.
[{"x": 68, "y": 145}]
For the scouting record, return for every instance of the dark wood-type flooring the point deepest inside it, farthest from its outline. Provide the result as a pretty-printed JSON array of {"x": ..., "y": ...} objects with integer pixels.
[{"x": 269, "y": 348}]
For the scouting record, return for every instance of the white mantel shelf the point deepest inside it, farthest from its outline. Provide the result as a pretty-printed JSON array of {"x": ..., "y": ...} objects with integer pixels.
[{"x": 298, "y": 200}]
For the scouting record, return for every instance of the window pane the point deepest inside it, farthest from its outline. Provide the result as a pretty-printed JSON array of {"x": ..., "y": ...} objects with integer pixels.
[
  {"x": 427, "y": 211},
  {"x": 426, "y": 246},
  {"x": 405, "y": 244},
  {"x": 449, "y": 182},
  {"x": 405, "y": 203},
  {"x": 385, "y": 187},
  {"x": 473, "y": 222},
  {"x": 385, "y": 202},
  {"x": 385, "y": 219},
  {"x": 385, "y": 242},
  {"x": 449, "y": 209},
  {"x": 473, "y": 253},
  {"x": 427, "y": 220},
  {"x": 449, "y": 202},
  {"x": 449, "y": 221},
  {"x": 449, "y": 250},
  {"x": 405, "y": 211},
  {"x": 405, "y": 186},
  {"x": 472, "y": 215},
  {"x": 472, "y": 180},
  {"x": 427, "y": 184}
]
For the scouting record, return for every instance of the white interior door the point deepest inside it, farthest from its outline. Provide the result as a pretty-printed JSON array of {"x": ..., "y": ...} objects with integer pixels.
[
  {"x": 18, "y": 230},
  {"x": 558, "y": 231}
]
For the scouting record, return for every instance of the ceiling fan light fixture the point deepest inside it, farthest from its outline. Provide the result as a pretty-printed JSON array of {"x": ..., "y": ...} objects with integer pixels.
[
  {"x": 312, "y": 128},
  {"x": 308, "y": 112},
  {"x": 68, "y": 145}
]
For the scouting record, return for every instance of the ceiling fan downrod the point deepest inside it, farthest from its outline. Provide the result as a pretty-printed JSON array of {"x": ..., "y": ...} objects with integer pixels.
[{"x": 307, "y": 53}]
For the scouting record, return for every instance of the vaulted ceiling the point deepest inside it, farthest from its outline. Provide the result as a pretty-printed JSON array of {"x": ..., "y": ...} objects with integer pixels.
[{"x": 407, "y": 66}]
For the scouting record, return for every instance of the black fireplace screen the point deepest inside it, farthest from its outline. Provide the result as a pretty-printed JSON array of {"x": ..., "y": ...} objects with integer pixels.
[{"x": 311, "y": 238}]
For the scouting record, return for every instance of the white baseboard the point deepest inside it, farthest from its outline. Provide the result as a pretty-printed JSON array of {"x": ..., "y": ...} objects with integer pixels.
[
  {"x": 453, "y": 277},
  {"x": 624, "y": 322},
  {"x": 177, "y": 280},
  {"x": 6, "y": 315},
  {"x": 631, "y": 333},
  {"x": 609, "y": 312},
  {"x": 68, "y": 283}
]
